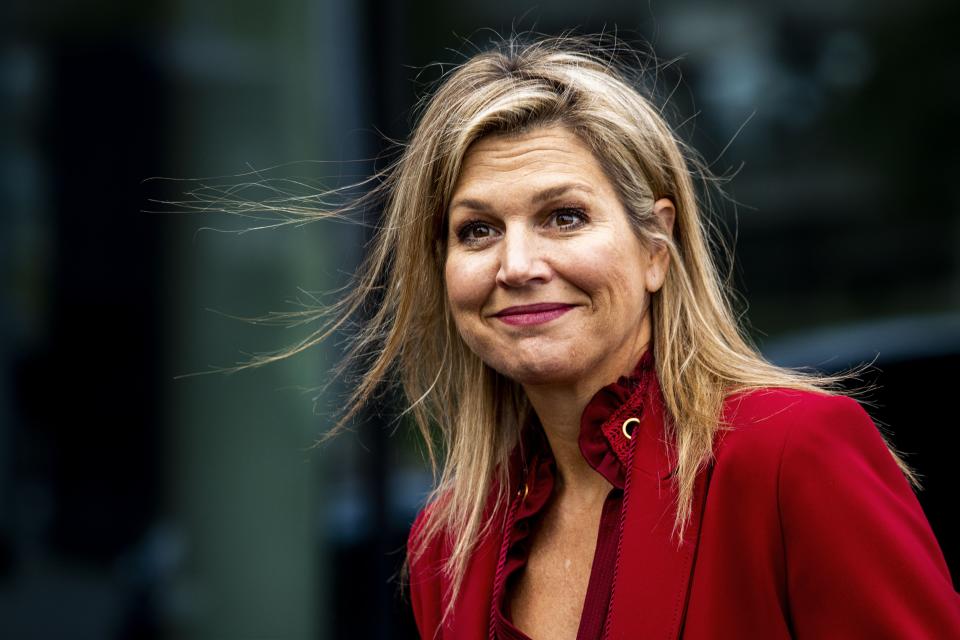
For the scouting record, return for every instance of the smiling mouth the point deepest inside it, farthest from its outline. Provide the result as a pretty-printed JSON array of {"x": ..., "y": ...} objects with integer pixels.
[{"x": 532, "y": 313}]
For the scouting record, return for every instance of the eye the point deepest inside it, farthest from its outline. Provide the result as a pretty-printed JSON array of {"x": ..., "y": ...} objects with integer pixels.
[
  {"x": 474, "y": 232},
  {"x": 569, "y": 218}
]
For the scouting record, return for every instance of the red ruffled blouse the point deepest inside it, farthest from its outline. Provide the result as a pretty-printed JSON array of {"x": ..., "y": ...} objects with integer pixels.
[{"x": 605, "y": 431}]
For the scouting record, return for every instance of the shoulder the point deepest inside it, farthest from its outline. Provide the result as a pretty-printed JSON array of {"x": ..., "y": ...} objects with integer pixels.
[
  {"x": 778, "y": 432},
  {"x": 424, "y": 551},
  {"x": 775, "y": 416},
  {"x": 810, "y": 442},
  {"x": 425, "y": 575},
  {"x": 430, "y": 546},
  {"x": 431, "y": 542},
  {"x": 780, "y": 406}
]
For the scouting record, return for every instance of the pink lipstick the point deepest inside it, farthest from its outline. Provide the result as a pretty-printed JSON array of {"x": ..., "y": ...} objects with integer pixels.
[{"x": 531, "y": 314}]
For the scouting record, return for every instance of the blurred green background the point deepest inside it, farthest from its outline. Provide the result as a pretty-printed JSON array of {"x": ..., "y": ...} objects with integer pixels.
[{"x": 135, "y": 503}]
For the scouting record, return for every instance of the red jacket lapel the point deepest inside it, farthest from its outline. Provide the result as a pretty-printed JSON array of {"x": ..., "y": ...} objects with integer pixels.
[{"x": 653, "y": 572}]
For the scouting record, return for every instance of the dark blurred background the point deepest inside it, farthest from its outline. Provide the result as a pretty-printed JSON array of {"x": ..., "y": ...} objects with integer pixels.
[{"x": 135, "y": 504}]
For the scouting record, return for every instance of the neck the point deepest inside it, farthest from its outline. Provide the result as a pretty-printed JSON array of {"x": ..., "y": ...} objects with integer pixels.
[{"x": 560, "y": 407}]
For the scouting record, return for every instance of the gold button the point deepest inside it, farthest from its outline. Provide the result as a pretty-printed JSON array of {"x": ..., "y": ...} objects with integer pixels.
[
  {"x": 629, "y": 434},
  {"x": 524, "y": 490}
]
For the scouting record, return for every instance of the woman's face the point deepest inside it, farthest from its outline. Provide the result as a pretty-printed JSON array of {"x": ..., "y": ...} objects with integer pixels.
[{"x": 547, "y": 282}]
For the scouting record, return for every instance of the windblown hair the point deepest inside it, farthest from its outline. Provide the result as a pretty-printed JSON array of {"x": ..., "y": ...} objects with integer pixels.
[{"x": 702, "y": 354}]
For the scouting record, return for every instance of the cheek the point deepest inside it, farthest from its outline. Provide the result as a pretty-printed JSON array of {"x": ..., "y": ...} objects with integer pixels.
[
  {"x": 466, "y": 287},
  {"x": 466, "y": 295},
  {"x": 611, "y": 273}
]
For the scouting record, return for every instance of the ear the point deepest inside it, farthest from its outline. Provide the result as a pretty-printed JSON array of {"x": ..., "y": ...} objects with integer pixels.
[{"x": 660, "y": 256}]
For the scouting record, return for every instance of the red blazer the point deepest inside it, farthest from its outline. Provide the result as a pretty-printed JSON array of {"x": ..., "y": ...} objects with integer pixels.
[{"x": 804, "y": 527}]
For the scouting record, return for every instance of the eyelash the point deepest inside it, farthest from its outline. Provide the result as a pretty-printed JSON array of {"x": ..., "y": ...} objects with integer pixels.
[{"x": 465, "y": 229}]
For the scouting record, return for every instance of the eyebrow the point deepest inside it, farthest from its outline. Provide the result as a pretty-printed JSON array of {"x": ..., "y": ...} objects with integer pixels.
[{"x": 538, "y": 198}]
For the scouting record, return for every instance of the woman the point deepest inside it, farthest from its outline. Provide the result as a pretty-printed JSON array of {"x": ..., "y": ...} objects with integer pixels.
[{"x": 619, "y": 461}]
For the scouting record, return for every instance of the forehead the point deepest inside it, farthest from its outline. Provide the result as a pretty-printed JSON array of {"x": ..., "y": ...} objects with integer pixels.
[{"x": 544, "y": 157}]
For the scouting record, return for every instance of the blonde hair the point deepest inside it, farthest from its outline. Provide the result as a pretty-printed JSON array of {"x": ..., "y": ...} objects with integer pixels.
[{"x": 701, "y": 353}]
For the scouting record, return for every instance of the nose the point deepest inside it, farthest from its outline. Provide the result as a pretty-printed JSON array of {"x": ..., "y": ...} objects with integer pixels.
[{"x": 522, "y": 259}]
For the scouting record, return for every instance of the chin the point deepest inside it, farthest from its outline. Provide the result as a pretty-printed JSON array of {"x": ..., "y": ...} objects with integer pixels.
[{"x": 538, "y": 370}]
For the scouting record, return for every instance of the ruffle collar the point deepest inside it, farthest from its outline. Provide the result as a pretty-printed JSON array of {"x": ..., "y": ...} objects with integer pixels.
[{"x": 604, "y": 437}]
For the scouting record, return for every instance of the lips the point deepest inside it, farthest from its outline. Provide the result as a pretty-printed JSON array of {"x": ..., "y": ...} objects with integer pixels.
[{"x": 533, "y": 313}]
